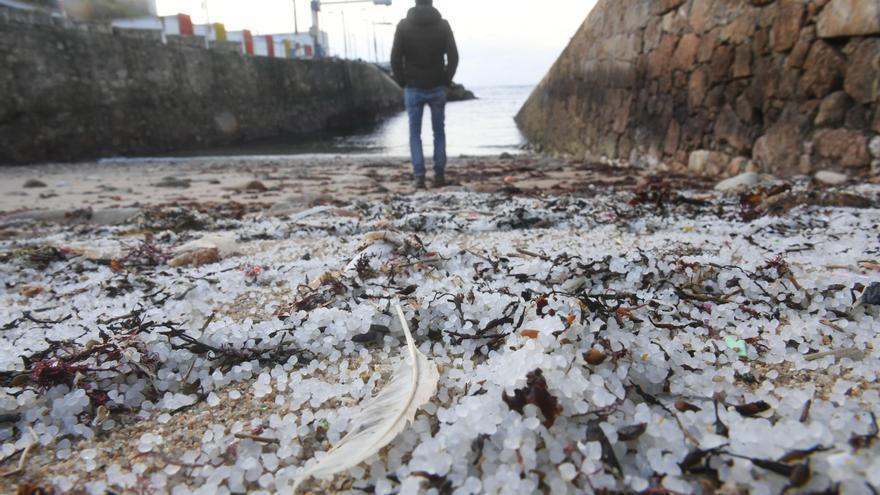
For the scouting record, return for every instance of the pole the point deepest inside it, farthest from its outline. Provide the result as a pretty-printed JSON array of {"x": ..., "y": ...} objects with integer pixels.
[
  {"x": 295, "y": 19},
  {"x": 316, "y": 27},
  {"x": 375, "y": 44},
  {"x": 345, "y": 34}
]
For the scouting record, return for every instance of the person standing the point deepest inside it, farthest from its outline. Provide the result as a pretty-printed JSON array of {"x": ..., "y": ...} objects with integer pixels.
[{"x": 424, "y": 59}]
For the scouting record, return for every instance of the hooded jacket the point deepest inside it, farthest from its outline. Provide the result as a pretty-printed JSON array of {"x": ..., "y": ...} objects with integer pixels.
[{"x": 424, "y": 55}]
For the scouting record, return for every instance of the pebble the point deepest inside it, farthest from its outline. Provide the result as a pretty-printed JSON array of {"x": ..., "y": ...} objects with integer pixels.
[
  {"x": 739, "y": 183},
  {"x": 831, "y": 178},
  {"x": 34, "y": 184}
]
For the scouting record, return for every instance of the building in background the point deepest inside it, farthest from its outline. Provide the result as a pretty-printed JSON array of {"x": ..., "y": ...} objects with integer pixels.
[
  {"x": 243, "y": 37},
  {"x": 296, "y": 45}
]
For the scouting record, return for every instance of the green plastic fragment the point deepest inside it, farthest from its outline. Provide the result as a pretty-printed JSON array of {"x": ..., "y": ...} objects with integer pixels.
[{"x": 737, "y": 345}]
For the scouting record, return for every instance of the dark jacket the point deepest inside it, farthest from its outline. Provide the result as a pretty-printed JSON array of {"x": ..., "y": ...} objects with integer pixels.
[{"x": 420, "y": 44}]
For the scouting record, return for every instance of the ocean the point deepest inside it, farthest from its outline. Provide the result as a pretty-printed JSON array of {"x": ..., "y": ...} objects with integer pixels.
[
  {"x": 478, "y": 127},
  {"x": 483, "y": 126}
]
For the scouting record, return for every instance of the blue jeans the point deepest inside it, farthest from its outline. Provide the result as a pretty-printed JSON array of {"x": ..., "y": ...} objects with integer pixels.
[{"x": 415, "y": 100}]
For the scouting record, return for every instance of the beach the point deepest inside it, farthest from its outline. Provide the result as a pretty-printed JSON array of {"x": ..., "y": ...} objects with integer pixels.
[{"x": 210, "y": 325}]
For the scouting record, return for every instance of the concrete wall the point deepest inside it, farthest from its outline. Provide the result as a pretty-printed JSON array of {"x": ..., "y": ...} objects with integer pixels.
[
  {"x": 718, "y": 86},
  {"x": 72, "y": 93}
]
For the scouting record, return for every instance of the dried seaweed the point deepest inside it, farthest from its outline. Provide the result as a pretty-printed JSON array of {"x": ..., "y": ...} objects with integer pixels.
[{"x": 535, "y": 392}]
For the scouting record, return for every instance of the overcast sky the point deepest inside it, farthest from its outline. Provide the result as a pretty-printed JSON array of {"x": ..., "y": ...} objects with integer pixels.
[{"x": 501, "y": 41}]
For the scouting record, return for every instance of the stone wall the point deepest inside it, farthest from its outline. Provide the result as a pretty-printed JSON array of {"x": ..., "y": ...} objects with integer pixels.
[
  {"x": 78, "y": 92},
  {"x": 717, "y": 86}
]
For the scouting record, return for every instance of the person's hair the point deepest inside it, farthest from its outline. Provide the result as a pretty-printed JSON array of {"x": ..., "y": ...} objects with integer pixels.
[{"x": 424, "y": 2}]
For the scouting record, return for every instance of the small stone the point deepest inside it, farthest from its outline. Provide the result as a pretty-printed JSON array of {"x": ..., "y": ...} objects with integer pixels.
[
  {"x": 871, "y": 296},
  {"x": 255, "y": 185},
  {"x": 874, "y": 147},
  {"x": 595, "y": 357},
  {"x": 709, "y": 163},
  {"x": 34, "y": 184},
  {"x": 739, "y": 183},
  {"x": 173, "y": 183},
  {"x": 830, "y": 178}
]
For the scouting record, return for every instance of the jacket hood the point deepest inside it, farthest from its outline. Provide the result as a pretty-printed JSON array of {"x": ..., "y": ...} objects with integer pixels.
[{"x": 424, "y": 15}]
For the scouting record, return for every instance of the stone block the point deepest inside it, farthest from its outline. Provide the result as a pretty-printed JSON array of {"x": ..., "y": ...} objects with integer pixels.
[
  {"x": 801, "y": 49},
  {"x": 686, "y": 52},
  {"x": 708, "y": 42},
  {"x": 862, "y": 80},
  {"x": 741, "y": 28},
  {"x": 673, "y": 135},
  {"x": 822, "y": 70},
  {"x": 787, "y": 27},
  {"x": 778, "y": 150},
  {"x": 702, "y": 18},
  {"x": 833, "y": 109},
  {"x": 697, "y": 87},
  {"x": 719, "y": 66},
  {"x": 728, "y": 129},
  {"x": 849, "y": 18},
  {"x": 742, "y": 62},
  {"x": 663, "y": 6},
  {"x": 659, "y": 60},
  {"x": 842, "y": 147}
]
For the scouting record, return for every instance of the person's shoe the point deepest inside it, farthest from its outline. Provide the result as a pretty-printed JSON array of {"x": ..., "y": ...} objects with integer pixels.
[
  {"x": 439, "y": 181},
  {"x": 419, "y": 183}
]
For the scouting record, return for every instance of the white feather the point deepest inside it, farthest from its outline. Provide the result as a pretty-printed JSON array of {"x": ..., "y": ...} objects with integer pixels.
[{"x": 413, "y": 384}]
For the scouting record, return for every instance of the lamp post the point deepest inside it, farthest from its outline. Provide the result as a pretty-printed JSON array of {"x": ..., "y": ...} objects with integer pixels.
[
  {"x": 316, "y": 26},
  {"x": 375, "y": 40}
]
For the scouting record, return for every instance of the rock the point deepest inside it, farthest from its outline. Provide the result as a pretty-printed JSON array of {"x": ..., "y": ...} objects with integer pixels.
[
  {"x": 844, "y": 147},
  {"x": 862, "y": 80},
  {"x": 249, "y": 186},
  {"x": 833, "y": 109},
  {"x": 785, "y": 202},
  {"x": 741, "y": 28},
  {"x": 739, "y": 183},
  {"x": 779, "y": 149},
  {"x": 708, "y": 163},
  {"x": 728, "y": 129},
  {"x": 741, "y": 165},
  {"x": 719, "y": 66},
  {"x": 664, "y": 6},
  {"x": 34, "y": 184},
  {"x": 505, "y": 156},
  {"x": 830, "y": 178},
  {"x": 686, "y": 53},
  {"x": 801, "y": 49},
  {"x": 849, "y": 18},
  {"x": 673, "y": 135},
  {"x": 457, "y": 92},
  {"x": 822, "y": 70},
  {"x": 173, "y": 183},
  {"x": 701, "y": 18},
  {"x": 742, "y": 62},
  {"x": 874, "y": 147},
  {"x": 197, "y": 258},
  {"x": 786, "y": 29},
  {"x": 697, "y": 87},
  {"x": 871, "y": 296}
]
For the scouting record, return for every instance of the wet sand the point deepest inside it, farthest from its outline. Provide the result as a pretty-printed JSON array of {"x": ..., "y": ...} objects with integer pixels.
[{"x": 297, "y": 182}]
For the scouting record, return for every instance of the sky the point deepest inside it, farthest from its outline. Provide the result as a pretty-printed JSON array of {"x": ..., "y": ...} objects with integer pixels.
[{"x": 501, "y": 42}]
